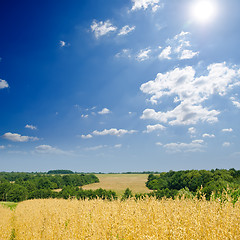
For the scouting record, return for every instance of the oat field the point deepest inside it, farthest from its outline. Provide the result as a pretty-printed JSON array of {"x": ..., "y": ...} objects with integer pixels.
[
  {"x": 101, "y": 219},
  {"x": 119, "y": 183}
]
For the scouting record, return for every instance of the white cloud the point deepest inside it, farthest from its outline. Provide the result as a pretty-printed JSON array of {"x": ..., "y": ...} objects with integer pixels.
[
  {"x": 113, "y": 132},
  {"x": 188, "y": 54},
  {"x": 95, "y": 148},
  {"x": 3, "y": 84},
  {"x": 226, "y": 144},
  {"x": 84, "y": 116},
  {"x": 194, "y": 146},
  {"x": 159, "y": 144},
  {"x": 151, "y": 128},
  {"x": 2, "y": 147},
  {"x": 227, "y": 130},
  {"x": 125, "y": 30},
  {"x": 15, "y": 137},
  {"x": 190, "y": 91},
  {"x": 102, "y": 28},
  {"x": 47, "y": 149},
  {"x": 104, "y": 111},
  {"x": 117, "y": 145},
  {"x": 184, "y": 114},
  {"x": 165, "y": 53},
  {"x": 86, "y": 136},
  {"x": 139, "y": 4},
  {"x": 198, "y": 141},
  {"x": 143, "y": 55},
  {"x": 124, "y": 53},
  {"x": 208, "y": 135},
  {"x": 31, "y": 127},
  {"x": 236, "y": 104},
  {"x": 178, "y": 47},
  {"x": 63, "y": 44},
  {"x": 192, "y": 130}
]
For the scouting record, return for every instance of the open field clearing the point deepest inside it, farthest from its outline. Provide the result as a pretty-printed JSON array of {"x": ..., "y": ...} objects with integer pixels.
[
  {"x": 119, "y": 183},
  {"x": 101, "y": 219},
  {"x": 11, "y": 205}
]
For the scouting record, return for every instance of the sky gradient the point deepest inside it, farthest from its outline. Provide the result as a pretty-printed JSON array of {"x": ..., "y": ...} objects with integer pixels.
[{"x": 123, "y": 85}]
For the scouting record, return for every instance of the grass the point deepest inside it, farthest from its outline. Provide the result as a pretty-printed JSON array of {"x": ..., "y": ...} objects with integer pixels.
[
  {"x": 11, "y": 205},
  {"x": 119, "y": 183}
]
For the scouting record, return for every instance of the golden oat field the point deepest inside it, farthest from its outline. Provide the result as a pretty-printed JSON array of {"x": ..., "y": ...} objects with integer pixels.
[
  {"x": 130, "y": 219},
  {"x": 119, "y": 183}
]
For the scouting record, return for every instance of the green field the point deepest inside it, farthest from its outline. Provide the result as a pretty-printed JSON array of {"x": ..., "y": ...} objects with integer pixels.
[
  {"x": 11, "y": 205},
  {"x": 119, "y": 182}
]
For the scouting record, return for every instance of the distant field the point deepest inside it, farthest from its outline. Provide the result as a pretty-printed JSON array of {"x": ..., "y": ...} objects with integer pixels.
[
  {"x": 11, "y": 205},
  {"x": 119, "y": 182}
]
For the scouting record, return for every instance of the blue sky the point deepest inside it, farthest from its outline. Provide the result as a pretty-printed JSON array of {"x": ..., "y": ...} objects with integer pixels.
[{"x": 123, "y": 85}]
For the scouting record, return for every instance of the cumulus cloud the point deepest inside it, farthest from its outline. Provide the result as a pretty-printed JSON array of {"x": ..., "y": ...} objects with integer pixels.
[
  {"x": 139, "y": 4},
  {"x": 125, "y": 30},
  {"x": 151, "y": 128},
  {"x": 178, "y": 47},
  {"x": 102, "y": 28},
  {"x": 2, "y": 147},
  {"x": 188, "y": 54},
  {"x": 15, "y": 137},
  {"x": 207, "y": 135},
  {"x": 227, "y": 130},
  {"x": 159, "y": 144},
  {"x": 47, "y": 149},
  {"x": 190, "y": 91},
  {"x": 183, "y": 114},
  {"x": 194, "y": 146},
  {"x": 3, "y": 84},
  {"x": 226, "y": 144},
  {"x": 86, "y": 136},
  {"x": 31, "y": 127},
  {"x": 143, "y": 55},
  {"x": 192, "y": 130},
  {"x": 236, "y": 103},
  {"x": 113, "y": 132},
  {"x": 165, "y": 53},
  {"x": 104, "y": 111}
]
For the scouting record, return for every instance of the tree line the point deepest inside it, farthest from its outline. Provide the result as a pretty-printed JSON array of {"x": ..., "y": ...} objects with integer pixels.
[
  {"x": 192, "y": 181},
  {"x": 21, "y": 186}
]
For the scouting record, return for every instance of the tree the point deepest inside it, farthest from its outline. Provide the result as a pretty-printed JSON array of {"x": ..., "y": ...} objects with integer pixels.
[
  {"x": 127, "y": 194},
  {"x": 17, "y": 193}
]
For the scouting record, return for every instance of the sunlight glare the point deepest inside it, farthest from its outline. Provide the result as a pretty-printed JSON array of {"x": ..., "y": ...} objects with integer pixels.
[{"x": 203, "y": 11}]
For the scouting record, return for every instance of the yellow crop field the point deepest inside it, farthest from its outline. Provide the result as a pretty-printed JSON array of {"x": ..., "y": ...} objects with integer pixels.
[
  {"x": 6, "y": 218},
  {"x": 101, "y": 219},
  {"x": 119, "y": 183}
]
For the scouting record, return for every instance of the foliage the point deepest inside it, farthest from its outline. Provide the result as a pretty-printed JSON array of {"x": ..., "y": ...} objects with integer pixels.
[
  {"x": 210, "y": 181},
  {"x": 60, "y": 172},
  {"x": 17, "y": 187}
]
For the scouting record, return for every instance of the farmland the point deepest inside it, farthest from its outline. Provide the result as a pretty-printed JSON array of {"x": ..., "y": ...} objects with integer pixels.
[
  {"x": 130, "y": 219},
  {"x": 119, "y": 182}
]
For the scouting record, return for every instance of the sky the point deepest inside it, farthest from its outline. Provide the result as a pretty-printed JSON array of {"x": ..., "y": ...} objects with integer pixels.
[{"x": 116, "y": 86}]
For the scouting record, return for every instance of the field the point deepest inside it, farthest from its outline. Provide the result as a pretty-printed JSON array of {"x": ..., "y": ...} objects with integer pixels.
[
  {"x": 11, "y": 205},
  {"x": 60, "y": 219},
  {"x": 119, "y": 183}
]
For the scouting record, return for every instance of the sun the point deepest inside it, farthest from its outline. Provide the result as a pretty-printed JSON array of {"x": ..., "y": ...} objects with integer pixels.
[{"x": 203, "y": 11}]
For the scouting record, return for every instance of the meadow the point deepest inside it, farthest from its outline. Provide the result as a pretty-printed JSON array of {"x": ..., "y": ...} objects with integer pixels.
[
  {"x": 98, "y": 219},
  {"x": 119, "y": 183}
]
